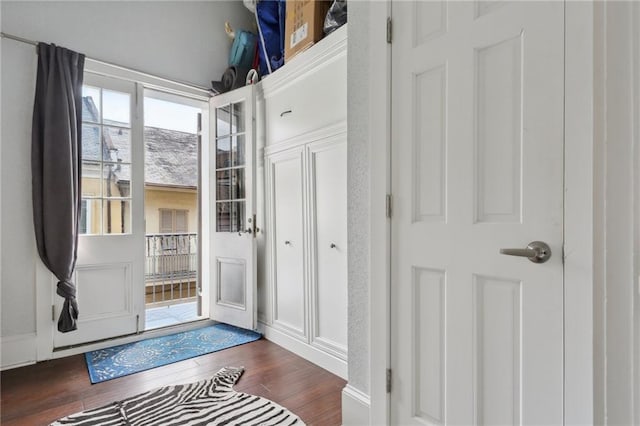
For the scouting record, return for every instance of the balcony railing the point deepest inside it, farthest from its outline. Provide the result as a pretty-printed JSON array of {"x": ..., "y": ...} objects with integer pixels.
[{"x": 171, "y": 268}]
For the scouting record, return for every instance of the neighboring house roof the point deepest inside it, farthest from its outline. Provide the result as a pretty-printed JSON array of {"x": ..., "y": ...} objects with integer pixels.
[{"x": 171, "y": 157}]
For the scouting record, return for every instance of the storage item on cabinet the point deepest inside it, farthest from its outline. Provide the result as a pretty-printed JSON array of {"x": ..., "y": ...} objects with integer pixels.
[{"x": 304, "y": 25}]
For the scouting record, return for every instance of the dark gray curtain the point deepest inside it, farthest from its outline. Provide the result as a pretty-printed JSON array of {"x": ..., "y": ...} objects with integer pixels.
[{"x": 55, "y": 167}]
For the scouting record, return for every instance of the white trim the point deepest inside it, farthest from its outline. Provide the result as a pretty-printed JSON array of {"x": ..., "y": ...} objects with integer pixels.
[
  {"x": 578, "y": 213},
  {"x": 18, "y": 350},
  {"x": 323, "y": 359},
  {"x": 380, "y": 186},
  {"x": 578, "y": 203},
  {"x": 355, "y": 407},
  {"x": 326, "y": 132}
]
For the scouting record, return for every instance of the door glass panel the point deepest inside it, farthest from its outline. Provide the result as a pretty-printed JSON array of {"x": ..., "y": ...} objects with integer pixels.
[
  {"x": 117, "y": 108},
  {"x": 116, "y": 215},
  {"x": 91, "y": 216},
  {"x": 237, "y": 179},
  {"x": 223, "y": 121},
  {"x": 91, "y": 148},
  {"x": 223, "y": 185},
  {"x": 223, "y": 217},
  {"x": 116, "y": 180},
  {"x": 223, "y": 154},
  {"x": 237, "y": 125},
  {"x": 117, "y": 144},
  {"x": 237, "y": 148},
  {"x": 91, "y": 186},
  {"x": 91, "y": 104},
  {"x": 237, "y": 221}
]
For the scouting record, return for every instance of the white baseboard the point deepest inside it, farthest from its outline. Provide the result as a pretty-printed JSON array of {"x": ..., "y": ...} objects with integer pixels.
[
  {"x": 355, "y": 407},
  {"x": 328, "y": 362},
  {"x": 18, "y": 351}
]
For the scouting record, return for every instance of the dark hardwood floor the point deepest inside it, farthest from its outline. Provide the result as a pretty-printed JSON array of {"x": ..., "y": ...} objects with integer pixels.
[{"x": 41, "y": 393}]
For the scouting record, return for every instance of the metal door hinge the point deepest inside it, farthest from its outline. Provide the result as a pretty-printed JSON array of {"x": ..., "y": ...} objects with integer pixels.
[
  {"x": 138, "y": 322},
  {"x": 389, "y": 206},
  {"x": 388, "y": 380},
  {"x": 389, "y": 30},
  {"x": 53, "y": 313}
]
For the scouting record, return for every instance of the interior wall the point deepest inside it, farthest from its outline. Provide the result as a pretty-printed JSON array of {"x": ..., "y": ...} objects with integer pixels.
[
  {"x": 183, "y": 41},
  {"x": 358, "y": 178}
]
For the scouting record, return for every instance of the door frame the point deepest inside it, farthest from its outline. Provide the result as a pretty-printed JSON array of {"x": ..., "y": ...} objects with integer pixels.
[
  {"x": 45, "y": 281},
  {"x": 578, "y": 206}
]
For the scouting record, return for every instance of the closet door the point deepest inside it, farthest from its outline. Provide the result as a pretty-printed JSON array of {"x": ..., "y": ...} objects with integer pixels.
[
  {"x": 286, "y": 207},
  {"x": 327, "y": 162}
]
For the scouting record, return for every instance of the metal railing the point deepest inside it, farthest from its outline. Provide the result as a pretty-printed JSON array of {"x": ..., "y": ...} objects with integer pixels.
[{"x": 171, "y": 268}]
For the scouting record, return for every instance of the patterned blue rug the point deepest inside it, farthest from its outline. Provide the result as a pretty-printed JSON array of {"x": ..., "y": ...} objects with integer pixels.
[{"x": 118, "y": 361}]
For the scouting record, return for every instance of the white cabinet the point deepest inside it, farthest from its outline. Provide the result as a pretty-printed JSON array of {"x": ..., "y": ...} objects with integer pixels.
[{"x": 304, "y": 305}]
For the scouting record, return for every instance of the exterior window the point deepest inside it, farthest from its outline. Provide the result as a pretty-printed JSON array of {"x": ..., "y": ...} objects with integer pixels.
[
  {"x": 106, "y": 161},
  {"x": 174, "y": 221}
]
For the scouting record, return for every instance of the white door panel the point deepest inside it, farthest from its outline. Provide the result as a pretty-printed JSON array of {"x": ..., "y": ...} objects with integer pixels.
[
  {"x": 233, "y": 233},
  {"x": 286, "y": 183},
  {"x": 477, "y": 165},
  {"x": 328, "y": 188},
  {"x": 109, "y": 274}
]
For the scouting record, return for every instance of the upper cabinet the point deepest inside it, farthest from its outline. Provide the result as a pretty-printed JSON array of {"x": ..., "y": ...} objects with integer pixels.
[{"x": 308, "y": 93}]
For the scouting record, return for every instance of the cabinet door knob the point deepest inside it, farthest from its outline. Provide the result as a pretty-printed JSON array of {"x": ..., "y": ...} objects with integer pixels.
[
  {"x": 332, "y": 245},
  {"x": 287, "y": 243}
]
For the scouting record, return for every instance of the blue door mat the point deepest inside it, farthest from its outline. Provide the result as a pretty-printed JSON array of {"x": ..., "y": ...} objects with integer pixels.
[{"x": 122, "y": 360}]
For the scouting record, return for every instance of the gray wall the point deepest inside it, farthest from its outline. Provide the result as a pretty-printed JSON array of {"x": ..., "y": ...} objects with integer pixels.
[
  {"x": 358, "y": 201},
  {"x": 180, "y": 40}
]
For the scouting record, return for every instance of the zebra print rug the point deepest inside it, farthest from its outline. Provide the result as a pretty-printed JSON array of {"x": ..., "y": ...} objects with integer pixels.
[{"x": 208, "y": 402}]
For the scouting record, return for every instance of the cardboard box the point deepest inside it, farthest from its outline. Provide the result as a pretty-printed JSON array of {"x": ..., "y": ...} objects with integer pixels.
[{"x": 303, "y": 26}]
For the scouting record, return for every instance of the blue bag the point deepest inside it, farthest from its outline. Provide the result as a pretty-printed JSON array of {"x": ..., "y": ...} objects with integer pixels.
[{"x": 270, "y": 15}]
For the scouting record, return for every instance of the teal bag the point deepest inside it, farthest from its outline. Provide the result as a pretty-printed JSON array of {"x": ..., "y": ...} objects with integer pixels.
[{"x": 243, "y": 50}]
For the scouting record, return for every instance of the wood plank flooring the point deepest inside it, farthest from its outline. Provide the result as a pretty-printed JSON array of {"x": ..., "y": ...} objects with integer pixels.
[{"x": 41, "y": 393}]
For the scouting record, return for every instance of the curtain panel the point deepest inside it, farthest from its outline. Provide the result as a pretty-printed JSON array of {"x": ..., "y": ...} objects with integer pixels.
[{"x": 55, "y": 164}]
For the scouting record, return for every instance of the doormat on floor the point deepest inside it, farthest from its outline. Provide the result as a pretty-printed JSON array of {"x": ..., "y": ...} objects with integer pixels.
[
  {"x": 210, "y": 402},
  {"x": 122, "y": 360}
]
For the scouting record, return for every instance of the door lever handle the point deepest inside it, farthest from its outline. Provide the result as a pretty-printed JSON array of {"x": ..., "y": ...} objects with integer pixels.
[{"x": 536, "y": 251}]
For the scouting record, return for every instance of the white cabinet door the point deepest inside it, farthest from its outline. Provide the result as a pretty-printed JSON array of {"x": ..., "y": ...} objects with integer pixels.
[
  {"x": 233, "y": 242},
  {"x": 327, "y": 171},
  {"x": 287, "y": 241},
  {"x": 477, "y": 165}
]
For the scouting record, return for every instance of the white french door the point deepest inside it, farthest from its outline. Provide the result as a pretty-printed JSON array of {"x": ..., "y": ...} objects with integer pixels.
[
  {"x": 477, "y": 166},
  {"x": 110, "y": 266},
  {"x": 233, "y": 209}
]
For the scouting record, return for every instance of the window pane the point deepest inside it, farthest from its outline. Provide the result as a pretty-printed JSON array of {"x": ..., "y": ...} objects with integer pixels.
[
  {"x": 237, "y": 178},
  {"x": 91, "y": 179},
  {"x": 91, "y": 149},
  {"x": 117, "y": 216},
  {"x": 223, "y": 153},
  {"x": 90, "y": 104},
  {"x": 237, "y": 126},
  {"x": 223, "y": 121},
  {"x": 116, "y": 179},
  {"x": 237, "y": 220},
  {"x": 117, "y": 144},
  {"x": 223, "y": 185},
  {"x": 116, "y": 108},
  {"x": 223, "y": 217},
  {"x": 238, "y": 151}
]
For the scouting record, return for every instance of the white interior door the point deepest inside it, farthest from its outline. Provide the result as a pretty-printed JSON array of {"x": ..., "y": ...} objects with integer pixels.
[
  {"x": 233, "y": 237},
  {"x": 477, "y": 165},
  {"x": 109, "y": 273}
]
